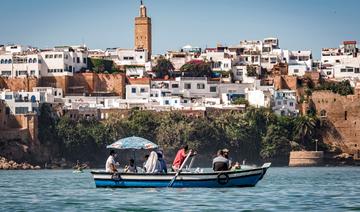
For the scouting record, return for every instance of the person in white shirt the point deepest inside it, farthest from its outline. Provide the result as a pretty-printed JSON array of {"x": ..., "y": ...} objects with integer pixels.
[{"x": 110, "y": 162}]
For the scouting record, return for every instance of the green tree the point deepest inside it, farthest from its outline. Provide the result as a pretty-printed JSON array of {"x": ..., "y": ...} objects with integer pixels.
[
  {"x": 196, "y": 68},
  {"x": 304, "y": 128},
  {"x": 240, "y": 101},
  {"x": 163, "y": 67},
  {"x": 275, "y": 143}
]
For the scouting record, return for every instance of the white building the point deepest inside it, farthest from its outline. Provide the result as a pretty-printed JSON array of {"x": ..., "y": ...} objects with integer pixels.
[
  {"x": 259, "y": 98},
  {"x": 58, "y": 61},
  {"x": 340, "y": 62},
  {"x": 285, "y": 103},
  {"x": 28, "y": 102}
]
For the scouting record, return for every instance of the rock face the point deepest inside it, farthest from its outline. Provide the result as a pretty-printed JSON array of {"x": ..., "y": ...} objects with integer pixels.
[{"x": 12, "y": 165}]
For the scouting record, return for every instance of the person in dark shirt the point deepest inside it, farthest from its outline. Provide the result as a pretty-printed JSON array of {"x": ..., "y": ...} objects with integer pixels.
[{"x": 220, "y": 163}]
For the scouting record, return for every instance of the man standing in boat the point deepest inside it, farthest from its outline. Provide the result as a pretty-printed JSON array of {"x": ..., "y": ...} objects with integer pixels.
[
  {"x": 180, "y": 157},
  {"x": 110, "y": 162}
]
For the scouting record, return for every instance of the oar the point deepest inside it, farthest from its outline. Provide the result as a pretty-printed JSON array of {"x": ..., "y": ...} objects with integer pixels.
[
  {"x": 191, "y": 162},
  {"x": 178, "y": 172}
]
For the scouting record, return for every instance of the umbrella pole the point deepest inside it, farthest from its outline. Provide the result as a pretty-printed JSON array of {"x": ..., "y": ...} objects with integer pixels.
[{"x": 134, "y": 160}]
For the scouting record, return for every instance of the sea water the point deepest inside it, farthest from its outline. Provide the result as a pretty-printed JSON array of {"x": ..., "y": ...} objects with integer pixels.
[{"x": 282, "y": 189}]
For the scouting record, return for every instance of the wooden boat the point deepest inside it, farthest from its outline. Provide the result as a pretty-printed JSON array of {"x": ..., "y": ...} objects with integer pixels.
[{"x": 240, "y": 178}]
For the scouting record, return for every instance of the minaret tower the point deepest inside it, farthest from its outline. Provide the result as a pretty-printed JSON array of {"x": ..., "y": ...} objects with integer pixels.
[{"x": 143, "y": 30}]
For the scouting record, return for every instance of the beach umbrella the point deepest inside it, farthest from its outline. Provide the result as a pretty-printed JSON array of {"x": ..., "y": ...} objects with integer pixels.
[{"x": 132, "y": 143}]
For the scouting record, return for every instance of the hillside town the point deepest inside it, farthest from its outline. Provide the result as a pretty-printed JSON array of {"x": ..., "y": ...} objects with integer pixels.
[{"x": 80, "y": 82}]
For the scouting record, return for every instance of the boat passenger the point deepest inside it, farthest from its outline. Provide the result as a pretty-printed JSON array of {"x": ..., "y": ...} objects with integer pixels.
[
  {"x": 110, "y": 162},
  {"x": 226, "y": 155},
  {"x": 131, "y": 168},
  {"x": 146, "y": 158},
  {"x": 180, "y": 157},
  {"x": 236, "y": 167},
  {"x": 163, "y": 168},
  {"x": 152, "y": 165},
  {"x": 220, "y": 163}
]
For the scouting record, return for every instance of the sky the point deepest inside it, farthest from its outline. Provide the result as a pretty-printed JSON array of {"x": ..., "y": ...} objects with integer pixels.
[{"x": 299, "y": 24}]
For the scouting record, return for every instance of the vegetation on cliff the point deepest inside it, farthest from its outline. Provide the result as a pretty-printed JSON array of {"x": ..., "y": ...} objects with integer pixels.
[{"x": 254, "y": 135}]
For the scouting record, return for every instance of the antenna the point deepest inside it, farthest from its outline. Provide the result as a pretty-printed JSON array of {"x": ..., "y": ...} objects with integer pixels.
[{"x": 141, "y": 2}]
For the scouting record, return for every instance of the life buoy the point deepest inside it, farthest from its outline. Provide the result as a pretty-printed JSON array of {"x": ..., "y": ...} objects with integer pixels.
[{"x": 223, "y": 178}]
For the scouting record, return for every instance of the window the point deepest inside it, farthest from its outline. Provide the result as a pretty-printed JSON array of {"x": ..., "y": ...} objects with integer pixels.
[
  {"x": 46, "y": 56},
  {"x": 141, "y": 57},
  {"x": 200, "y": 86},
  {"x": 51, "y": 56},
  {"x": 187, "y": 85},
  {"x": 328, "y": 72},
  {"x": 6, "y": 73},
  {"x": 167, "y": 102},
  {"x": 8, "y": 96},
  {"x": 9, "y": 61},
  {"x": 175, "y": 85},
  {"x": 296, "y": 70},
  {"x": 357, "y": 70},
  {"x": 291, "y": 104},
  {"x": 213, "y": 89},
  {"x": 350, "y": 70},
  {"x": 78, "y": 59},
  {"x": 343, "y": 70},
  {"x": 55, "y": 56},
  {"x": 21, "y": 110},
  {"x": 278, "y": 103},
  {"x": 34, "y": 60},
  {"x": 84, "y": 60},
  {"x": 345, "y": 115},
  {"x": 32, "y": 72},
  {"x": 239, "y": 72},
  {"x": 323, "y": 113},
  {"x": 30, "y": 60},
  {"x": 2, "y": 61},
  {"x": 142, "y": 90},
  {"x": 175, "y": 101},
  {"x": 133, "y": 90}
]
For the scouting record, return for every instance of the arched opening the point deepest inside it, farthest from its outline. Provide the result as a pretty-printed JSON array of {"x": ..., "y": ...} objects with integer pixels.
[
  {"x": 30, "y": 60},
  {"x": 323, "y": 113},
  {"x": 2, "y": 61}
]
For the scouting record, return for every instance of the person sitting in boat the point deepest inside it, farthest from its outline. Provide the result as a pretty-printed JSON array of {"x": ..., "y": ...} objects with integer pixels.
[
  {"x": 146, "y": 158},
  {"x": 236, "y": 167},
  {"x": 180, "y": 157},
  {"x": 110, "y": 163},
  {"x": 131, "y": 168},
  {"x": 220, "y": 163},
  {"x": 163, "y": 168},
  {"x": 152, "y": 165},
  {"x": 226, "y": 155}
]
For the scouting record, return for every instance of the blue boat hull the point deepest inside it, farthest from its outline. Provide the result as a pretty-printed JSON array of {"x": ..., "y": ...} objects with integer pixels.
[
  {"x": 244, "y": 178},
  {"x": 241, "y": 182}
]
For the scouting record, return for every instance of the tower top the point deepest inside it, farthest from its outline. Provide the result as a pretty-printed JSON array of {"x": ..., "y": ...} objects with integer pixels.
[{"x": 142, "y": 9}]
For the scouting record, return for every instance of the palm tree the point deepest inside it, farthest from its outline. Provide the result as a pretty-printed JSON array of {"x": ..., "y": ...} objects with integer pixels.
[{"x": 305, "y": 127}]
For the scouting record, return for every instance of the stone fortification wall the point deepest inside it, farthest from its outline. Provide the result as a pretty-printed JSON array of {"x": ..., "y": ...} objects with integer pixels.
[
  {"x": 18, "y": 84},
  {"x": 341, "y": 114},
  {"x": 306, "y": 158}
]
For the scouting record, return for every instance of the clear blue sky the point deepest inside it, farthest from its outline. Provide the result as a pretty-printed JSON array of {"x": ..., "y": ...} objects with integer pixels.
[{"x": 299, "y": 24}]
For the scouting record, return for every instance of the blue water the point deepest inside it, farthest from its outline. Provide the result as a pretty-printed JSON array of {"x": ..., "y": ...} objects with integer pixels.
[{"x": 282, "y": 189}]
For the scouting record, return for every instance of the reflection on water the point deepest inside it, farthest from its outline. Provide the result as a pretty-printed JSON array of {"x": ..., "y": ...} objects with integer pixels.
[{"x": 327, "y": 189}]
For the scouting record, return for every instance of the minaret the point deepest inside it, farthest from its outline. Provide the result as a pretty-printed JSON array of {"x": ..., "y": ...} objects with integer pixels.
[{"x": 143, "y": 30}]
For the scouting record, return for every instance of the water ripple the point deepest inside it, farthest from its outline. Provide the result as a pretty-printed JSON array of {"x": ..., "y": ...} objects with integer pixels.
[{"x": 282, "y": 189}]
